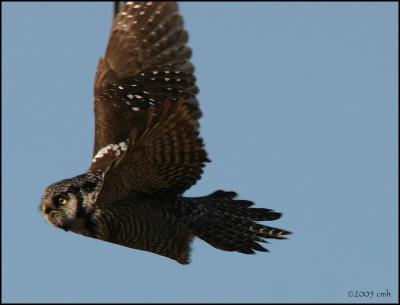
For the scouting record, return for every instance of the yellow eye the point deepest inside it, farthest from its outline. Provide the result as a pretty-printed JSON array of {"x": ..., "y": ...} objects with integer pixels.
[{"x": 62, "y": 200}]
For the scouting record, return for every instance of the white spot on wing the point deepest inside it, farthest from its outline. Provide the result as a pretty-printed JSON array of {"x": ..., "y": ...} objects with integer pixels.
[
  {"x": 115, "y": 148},
  {"x": 102, "y": 152},
  {"x": 123, "y": 146},
  {"x": 135, "y": 108}
]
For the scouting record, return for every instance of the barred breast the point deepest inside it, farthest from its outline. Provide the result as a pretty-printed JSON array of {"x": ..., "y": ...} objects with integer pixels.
[{"x": 145, "y": 224}]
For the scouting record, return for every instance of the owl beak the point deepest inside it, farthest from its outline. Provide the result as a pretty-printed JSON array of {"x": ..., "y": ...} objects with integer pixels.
[{"x": 45, "y": 209}]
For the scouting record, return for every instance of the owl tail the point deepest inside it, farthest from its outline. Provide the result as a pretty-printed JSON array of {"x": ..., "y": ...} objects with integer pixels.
[{"x": 229, "y": 224}]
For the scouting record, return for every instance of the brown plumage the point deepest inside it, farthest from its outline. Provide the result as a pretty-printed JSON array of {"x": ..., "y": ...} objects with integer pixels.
[
  {"x": 147, "y": 52},
  {"x": 148, "y": 152}
]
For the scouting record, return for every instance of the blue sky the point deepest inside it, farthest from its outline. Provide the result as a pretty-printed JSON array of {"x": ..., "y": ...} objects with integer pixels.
[{"x": 300, "y": 115}]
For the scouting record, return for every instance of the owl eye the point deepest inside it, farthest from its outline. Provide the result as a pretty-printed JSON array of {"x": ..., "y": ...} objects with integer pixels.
[{"x": 62, "y": 199}]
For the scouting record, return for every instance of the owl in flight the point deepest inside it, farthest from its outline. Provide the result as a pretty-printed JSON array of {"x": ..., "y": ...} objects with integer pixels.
[{"x": 147, "y": 151}]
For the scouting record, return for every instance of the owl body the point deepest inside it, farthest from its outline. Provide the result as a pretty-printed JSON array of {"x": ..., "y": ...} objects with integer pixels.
[
  {"x": 142, "y": 223},
  {"x": 148, "y": 151}
]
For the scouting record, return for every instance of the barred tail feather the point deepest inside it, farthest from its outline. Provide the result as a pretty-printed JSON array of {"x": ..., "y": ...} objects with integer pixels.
[{"x": 230, "y": 224}]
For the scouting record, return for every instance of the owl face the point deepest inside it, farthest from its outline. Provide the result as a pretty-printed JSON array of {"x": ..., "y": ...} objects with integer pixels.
[
  {"x": 66, "y": 204},
  {"x": 59, "y": 207}
]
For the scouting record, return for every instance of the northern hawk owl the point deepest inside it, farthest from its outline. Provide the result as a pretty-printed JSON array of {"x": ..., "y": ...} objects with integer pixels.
[{"x": 147, "y": 151}]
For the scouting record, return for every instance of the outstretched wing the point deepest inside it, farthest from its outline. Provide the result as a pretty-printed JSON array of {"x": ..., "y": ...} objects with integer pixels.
[
  {"x": 165, "y": 158},
  {"x": 146, "y": 62}
]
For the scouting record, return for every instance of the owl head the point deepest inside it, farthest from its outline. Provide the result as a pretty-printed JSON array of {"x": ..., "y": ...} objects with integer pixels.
[{"x": 66, "y": 204}]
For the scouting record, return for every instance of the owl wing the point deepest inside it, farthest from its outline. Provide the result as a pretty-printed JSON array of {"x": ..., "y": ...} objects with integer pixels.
[
  {"x": 146, "y": 62},
  {"x": 163, "y": 158}
]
